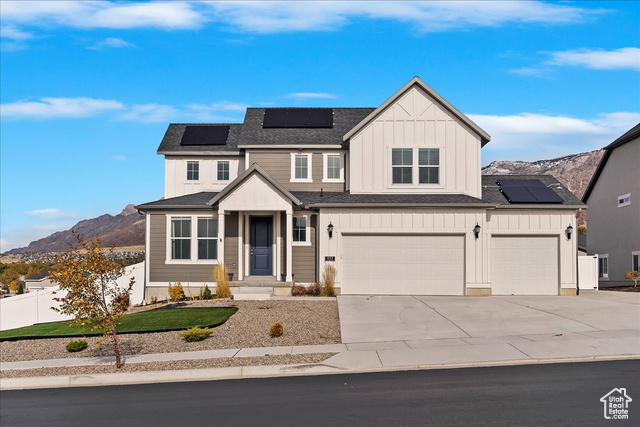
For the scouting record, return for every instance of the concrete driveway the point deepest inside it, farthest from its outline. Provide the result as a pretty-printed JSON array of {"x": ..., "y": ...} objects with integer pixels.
[{"x": 387, "y": 322}]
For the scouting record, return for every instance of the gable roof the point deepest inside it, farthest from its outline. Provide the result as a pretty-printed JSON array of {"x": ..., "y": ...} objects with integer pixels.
[
  {"x": 40, "y": 275},
  {"x": 484, "y": 136},
  {"x": 253, "y": 133},
  {"x": 170, "y": 143},
  {"x": 630, "y": 135},
  {"x": 188, "y": 201},
  {"x": 254, "y": 170}
]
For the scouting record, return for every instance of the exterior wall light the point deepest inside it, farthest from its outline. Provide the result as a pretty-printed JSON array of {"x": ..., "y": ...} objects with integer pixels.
[
  {"x": 476, "y": 231},
  {"x": 330, "y": 230},
  {"x": 569, "y": 232}
]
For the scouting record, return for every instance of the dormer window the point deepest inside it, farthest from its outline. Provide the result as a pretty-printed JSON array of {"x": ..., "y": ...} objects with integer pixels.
[
  {"x": 193, "y": 171},
  {"x": 402, "y": 162}
]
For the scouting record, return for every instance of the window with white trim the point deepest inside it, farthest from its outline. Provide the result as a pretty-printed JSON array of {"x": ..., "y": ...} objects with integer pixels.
[
  {"x": 181, "y": 237},
  {"x": 300, "y": 232},
  {"x": 333, "y": 170},
  {"x": 301, "y": 167},
  {"x": 207, "y": 238},
  {"x": 603, "y": 266},
  {"x": 624, "y": 200},
  {"x": 428, "y": 165},
  {"x": 635, "y": 261},
  {"x": 402, "y": 165},
  {"x": 223, "y": 170},
  {"x": 193, "y": 171}
]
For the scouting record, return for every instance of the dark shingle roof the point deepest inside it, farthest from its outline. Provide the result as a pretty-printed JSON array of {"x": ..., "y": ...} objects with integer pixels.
[
  {"x": 346, "y": 198},
  {"x": 189, "y": 201},
  {"x": 173, "y": 136},
  {"x": 344, "y": 119},
  {"x": 491, "y": 192},
  {"x": 39, "y": 275}
]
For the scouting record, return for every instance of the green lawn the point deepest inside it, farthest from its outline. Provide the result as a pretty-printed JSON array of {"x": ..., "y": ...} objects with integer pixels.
[{"x": 159, "y": 320}]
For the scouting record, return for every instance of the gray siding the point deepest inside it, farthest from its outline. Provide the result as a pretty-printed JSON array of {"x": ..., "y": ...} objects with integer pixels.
[
  {"x": 304, "y": 257},
  {"x": 278, "y": 165},
  {"x": 231, "y": 243},
  {"x": 610, "y": 229}
]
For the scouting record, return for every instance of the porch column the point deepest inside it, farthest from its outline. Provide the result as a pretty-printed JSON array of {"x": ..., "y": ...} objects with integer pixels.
[
  {"x": 240, "y": 245},
  {"x": 221, "y": 236},
  {"x": 278, "y": 247},
  {"x": 289, "y": 235}
]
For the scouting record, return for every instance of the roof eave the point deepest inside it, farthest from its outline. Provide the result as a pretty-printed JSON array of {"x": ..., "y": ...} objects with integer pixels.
[{"x": 404, "y": 205}]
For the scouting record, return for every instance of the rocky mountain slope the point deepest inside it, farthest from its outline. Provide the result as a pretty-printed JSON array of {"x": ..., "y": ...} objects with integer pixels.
[{"x": 125, "y": 229}]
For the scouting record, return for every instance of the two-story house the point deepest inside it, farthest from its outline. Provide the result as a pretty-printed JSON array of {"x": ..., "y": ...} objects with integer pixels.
[{"x": 392, "y": 196}]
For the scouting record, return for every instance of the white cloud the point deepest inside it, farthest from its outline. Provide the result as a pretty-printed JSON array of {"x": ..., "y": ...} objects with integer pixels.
[
  {"x": 111, "y": 42},
  {"x": 47, "y": 108},
  {"x": 530, "y": 71},
  {"x": 150, "y": 113},
  {"x": 312, "y": 95},
  {"x": 598, "y": 59},
  {"x": 530, "y": 136},
  {"x": 51, "y": 213},
  {"x": 13, "y": 33},
  {"x": 119, "y": 158}
]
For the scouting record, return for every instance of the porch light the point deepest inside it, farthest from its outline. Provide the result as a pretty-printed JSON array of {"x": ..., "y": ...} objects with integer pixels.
[
  {"x": 569, "y": 232},
  {"x": 476, "y": 231},
  {"x": 330, "y": 230}
]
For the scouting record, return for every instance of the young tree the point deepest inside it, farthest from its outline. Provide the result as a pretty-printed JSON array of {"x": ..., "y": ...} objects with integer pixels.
[
  {"x": 14, "y": 286},
  {"x": 88, "y": 274},
  {"x": 633, "y": 275}
]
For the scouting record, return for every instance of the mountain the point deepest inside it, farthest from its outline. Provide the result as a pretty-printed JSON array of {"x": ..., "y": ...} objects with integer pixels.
[
  {"x": 125, "y": 229},
  {"x": 573, "y": 171}
]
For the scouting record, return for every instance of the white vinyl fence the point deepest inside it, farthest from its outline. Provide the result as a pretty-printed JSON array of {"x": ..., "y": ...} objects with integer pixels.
[
  {"x": 588, "y": 272},
  {"x": 35, "y": 306}
]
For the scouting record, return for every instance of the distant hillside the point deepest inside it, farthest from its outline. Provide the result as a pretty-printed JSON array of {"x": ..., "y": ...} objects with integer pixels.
[
  {"x": 125, "y": 229},
  {"x": 573, "y": 171}
]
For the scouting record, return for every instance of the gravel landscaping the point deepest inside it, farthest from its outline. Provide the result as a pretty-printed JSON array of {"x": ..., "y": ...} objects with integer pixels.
[
  {"x": 306, "y": 322},
  {"x": 285, "y": 359}
]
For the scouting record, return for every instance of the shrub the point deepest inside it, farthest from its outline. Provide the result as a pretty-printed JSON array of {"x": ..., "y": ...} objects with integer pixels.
[
  {"x": 329, "y": 278},
  {"x": 633, "y": 275},
  {"x": 205, "y": 293},
  {"x": 221, "y": 277},
  {"x": 314, "y": 290},
  {"x": 20, "y": 290},
  {"x": 76, "y": 345},
  {"x": 154, "y": 300},
  {"x": 176, "y": 293},
  {"x": 195, "y": 334},
  {"x": 276, "y": 330},
  {"x": 298, "y": 291}
]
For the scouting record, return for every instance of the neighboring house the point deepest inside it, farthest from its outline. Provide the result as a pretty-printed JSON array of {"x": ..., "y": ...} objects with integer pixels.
[
  {"x": 391, "y": 196},
  {"x": 613, "y": 196},
  {"x": 38, "y": 281},
  {"x": 582, "y": 244}
]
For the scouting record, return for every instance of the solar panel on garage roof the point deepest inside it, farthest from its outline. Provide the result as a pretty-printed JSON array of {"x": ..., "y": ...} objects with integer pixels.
[
  {"x": 205, "y": 135},
  {"x": 298, "y": 118},
  {"x": 527, "y": 191}
]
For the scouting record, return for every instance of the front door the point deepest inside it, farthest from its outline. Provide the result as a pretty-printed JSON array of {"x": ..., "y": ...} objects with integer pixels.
[{"x": 261, "y": 240}]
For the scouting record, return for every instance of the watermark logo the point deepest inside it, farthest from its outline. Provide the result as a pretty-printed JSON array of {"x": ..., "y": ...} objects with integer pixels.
[{"x": 616, "y": 404}]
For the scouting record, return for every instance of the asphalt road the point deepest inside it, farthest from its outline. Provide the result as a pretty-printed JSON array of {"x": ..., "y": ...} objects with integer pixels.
[{"x": 536, "y": 395}]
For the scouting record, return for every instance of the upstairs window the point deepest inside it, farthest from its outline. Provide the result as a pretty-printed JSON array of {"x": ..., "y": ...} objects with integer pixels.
[
  {"x": 223, "y": 171},
  {"x": 624, "y": 200},
  {"x": 301, "y": 167},
  {"x": 207, "y": 238},
  {"x": 193, "y": 171},
  {"x": 402, "y": 165},
  {"x": 603, "y": 266},
  {"x": 333, "y": 166},
  {"x": 429, "y": 165},
  {"x": 181, "y": 238}
]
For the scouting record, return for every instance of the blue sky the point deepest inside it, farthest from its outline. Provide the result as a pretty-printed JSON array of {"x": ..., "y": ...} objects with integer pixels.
[{"x": 88, "y": 88}]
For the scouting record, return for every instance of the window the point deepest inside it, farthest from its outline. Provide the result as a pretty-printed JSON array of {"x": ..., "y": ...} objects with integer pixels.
[
  {"x": 300, "y": 230},
  {"x": 181, "y": 238},
  {"x": 207, "y": 238},
  {"x": 301, "y": 167},
  {"x": 603, "y": 266},
  {"x": 223, "y": 171},
  {"x": 624, "y": 200},
  {"x": 333, "y": 171},
  {"x": 193, "y": 171},
  {"x": 429, "y": 165},
  {"x": 402, "y": 162},
  {"x": 635, "y": 261}
]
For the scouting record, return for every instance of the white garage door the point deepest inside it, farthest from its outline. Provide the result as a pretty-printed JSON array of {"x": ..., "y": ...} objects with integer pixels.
[
  {"x": 402, "y": 265},
  {"x": 524, "y": 265}
]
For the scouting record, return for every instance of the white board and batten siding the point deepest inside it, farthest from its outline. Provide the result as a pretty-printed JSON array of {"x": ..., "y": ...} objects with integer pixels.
[{"x": 415, "y": 120}]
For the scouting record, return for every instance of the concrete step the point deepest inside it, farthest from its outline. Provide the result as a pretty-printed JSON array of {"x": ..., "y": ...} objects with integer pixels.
[{"x": 252, "y": 297}]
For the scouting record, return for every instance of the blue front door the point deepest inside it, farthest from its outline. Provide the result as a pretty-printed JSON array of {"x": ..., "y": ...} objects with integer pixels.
[{"x": 261, "y": 240}]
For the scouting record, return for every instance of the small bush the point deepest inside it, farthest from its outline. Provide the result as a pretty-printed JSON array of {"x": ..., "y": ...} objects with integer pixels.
[
  {"x": 276, "y": 330},
  {"x": 221, "y": 277},
  {"x": 76, "y": 345},
  {"x": 176, "y": 293},
  {"x": 154, "y": 300},
  {"x": 298, "y": 291},
  {"x": 329, "y": 278},
  {"x": 205, "y": 293},
  {"x": 314, "y": 290},
  {"x": 195, "y": 334}
]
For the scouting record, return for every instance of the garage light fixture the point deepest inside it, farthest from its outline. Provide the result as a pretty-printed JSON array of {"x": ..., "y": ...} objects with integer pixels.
[
  {"x": 476, "y": 231},
  {"x": 330, "y": 230},
  {"x": 569, "y": 232}
]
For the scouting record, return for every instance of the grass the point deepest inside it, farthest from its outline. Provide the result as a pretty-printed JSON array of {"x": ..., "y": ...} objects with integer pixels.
[{"x": 158, "y": 320}]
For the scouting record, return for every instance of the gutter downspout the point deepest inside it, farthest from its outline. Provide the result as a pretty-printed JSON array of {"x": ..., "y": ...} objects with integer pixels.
[{"x": 577, "y": 255}]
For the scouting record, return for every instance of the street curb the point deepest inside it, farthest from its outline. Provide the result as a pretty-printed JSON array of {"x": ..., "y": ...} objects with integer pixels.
[{"x": 268, "y": 371}]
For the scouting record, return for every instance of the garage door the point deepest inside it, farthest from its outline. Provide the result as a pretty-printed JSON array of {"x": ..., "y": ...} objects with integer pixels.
[
  {"x": 524, "y": 265},
  {"x": 402, "y": 265}
]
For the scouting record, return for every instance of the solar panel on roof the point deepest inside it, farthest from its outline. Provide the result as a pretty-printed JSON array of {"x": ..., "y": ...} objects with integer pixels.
[
  {"x": 205, "y": 135},
  {"x": 298, "y": 118},
  {"x": 527, "y": 191}
]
